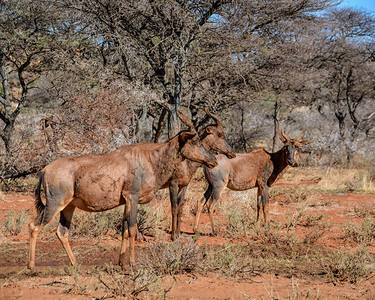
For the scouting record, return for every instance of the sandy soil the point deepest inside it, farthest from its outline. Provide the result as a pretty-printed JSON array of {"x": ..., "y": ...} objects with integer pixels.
[{"x": 52, "y": 282}]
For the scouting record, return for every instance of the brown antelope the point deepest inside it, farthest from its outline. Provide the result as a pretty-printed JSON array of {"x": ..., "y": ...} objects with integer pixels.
[
  {"x": 129, "y": 175},
  {"x": 213, "y": 138},
  {"x": 258, "y": 168}
]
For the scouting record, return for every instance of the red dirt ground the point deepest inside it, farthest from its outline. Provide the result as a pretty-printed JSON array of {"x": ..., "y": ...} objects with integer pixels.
[{"x": 16, "y": 282}]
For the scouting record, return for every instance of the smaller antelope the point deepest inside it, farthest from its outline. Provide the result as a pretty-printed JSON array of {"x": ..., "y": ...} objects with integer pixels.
[
  {"x": 213, "y": 139},
  {"x": 258, "y": 168}
]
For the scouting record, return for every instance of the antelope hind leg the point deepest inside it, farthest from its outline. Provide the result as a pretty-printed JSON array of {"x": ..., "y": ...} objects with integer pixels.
[
  {"x": 63, "y": 231},
  {"x": 200, "y": 203}
]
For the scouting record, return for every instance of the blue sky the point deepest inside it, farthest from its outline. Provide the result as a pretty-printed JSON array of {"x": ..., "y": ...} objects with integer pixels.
[{"x": 368, "y": 5}]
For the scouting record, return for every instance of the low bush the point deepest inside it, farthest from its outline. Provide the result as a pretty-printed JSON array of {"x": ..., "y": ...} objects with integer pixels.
[
  {"x": 342, "y": 266},
  {"x": 173, "y": 258},
  {"x": 15, "y": 222},
  {"x": 231, "y": 260},
  {"x": 363, "y": 233},
  {"x": 97, "y": 224},
  {"x": 130, "y": 284},
  {"x": 146, "y": 221},
  {"x": 291, "y": 194}
]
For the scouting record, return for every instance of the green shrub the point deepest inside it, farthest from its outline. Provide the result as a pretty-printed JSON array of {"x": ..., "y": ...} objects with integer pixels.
[
  {"x": 15, "y": 222},
  {"x": 97, "y": 224},
  {"x": 363, "y": 233},
  {"x": 173, "y": 258},
  {"x": 146, "y": 221},
  {"x": 240, "y": 221},
  {"x": 231, "y": 260},
  {"x": 342, "y": 266}
]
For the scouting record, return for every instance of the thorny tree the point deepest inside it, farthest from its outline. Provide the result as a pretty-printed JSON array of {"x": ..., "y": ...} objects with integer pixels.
[{"x": 344, "y": 57}]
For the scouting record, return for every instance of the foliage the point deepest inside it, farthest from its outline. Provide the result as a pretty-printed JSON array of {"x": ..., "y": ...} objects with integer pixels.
[
  {"x": 232, "y": 260},
  {"x": 129, "y": 285},
  {"x": 15, "y": 222},
  {"x": 94, "y": 75},
  {"x": 97, "y": 224},
  {"x": 173, "y": 258},
  {"x": 343, "y": 266},
  {"x": 363, "y": 233},
  {"x": 146, "y": 221}
]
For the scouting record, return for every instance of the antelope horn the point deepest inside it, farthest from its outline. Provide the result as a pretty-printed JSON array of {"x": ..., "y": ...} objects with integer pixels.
[
  {"x": 186, "y": 121},
  {"x": 284, "y": 136},
  {"x": 218, "y": 123},
  {"x": 301, "y": 136}
]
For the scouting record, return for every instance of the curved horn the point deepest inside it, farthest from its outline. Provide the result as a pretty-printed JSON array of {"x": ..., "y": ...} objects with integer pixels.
[
  {"x": 218, "y": 123},
  {"x": 301, "y": 136},
  {"x": 283, "y": 136},
  {"x": 186, "y": 121}
]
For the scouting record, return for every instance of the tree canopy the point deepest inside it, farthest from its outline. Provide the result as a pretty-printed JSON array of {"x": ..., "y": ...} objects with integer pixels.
[{"x": 101, "y": 73}]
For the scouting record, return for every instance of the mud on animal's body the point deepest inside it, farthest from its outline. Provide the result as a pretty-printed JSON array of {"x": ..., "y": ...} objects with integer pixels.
[
  {"x": 129, "y": 175},
  {"x": 258, "y": 169}
]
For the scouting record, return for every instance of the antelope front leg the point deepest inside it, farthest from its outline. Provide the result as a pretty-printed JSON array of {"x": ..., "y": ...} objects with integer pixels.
[
  {"x": 259, "y": 200},
  {"x": 180, "y": 204},
  {"x": 211, "y": 214},
  {"x": 265, "y": 203},
  {"x": 132, "y": 228},
  {"x": 125, "y": 237},
  {"x": 173, "y": 191}
]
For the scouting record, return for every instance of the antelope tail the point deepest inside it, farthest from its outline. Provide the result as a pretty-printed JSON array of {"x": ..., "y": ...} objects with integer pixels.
[{"x": 38, "y": 200}]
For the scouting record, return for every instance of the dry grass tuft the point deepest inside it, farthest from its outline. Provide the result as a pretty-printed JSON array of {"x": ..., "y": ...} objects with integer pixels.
[
  {"x": 332, "y": 180},
  {"x": 2, "y": 196},
  {"x": 129, "y": 285},
  {"x": 363, "y": 233},
  {"x": 178, "y": 257},
  {"x": 342, "y": 266},
  {"x": 97, "y": 224},
  {"x": 15, "y": 222}
]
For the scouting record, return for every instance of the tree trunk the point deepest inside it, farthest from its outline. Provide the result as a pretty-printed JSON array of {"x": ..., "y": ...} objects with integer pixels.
[
  {"x": 243, "y": 138},
  {"x": 173, "y": 119},
  {"x": 142, "y": 135},
  {"x": 276, "y": 124},
  {"x": 161, "y": 125}
]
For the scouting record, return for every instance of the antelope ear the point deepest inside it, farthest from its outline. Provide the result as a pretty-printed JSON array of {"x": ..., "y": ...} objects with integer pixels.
[
  {"x": 303, "y": 143},
  {"x": 185, "y": 136}
]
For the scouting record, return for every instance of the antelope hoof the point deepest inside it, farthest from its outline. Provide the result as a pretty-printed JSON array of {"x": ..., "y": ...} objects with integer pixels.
[
  {"x": 174, "y": 236},
  {"x": 122, "y": 261}
]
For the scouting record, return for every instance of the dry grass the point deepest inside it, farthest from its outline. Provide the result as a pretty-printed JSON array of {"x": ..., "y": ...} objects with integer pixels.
[
  {"x": 2, "y": 196},
  {"x": 363, "y": 233},
  {"x": 333, "y": 180},
  {"x": 292, "y": 244},
  {"x": 129, "y": 285},
  {"x": 165, "y": 258},
  {"x": 97, "y": 224},
  {"x": 15, "y": 222},
  {"x": 345, "y": 266}
]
